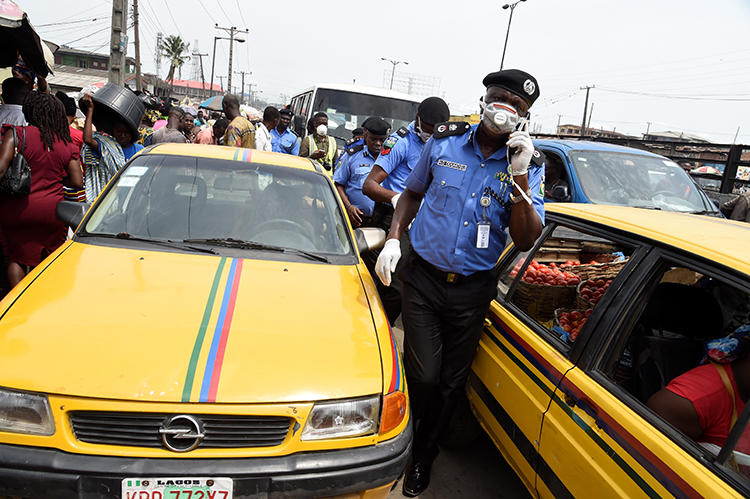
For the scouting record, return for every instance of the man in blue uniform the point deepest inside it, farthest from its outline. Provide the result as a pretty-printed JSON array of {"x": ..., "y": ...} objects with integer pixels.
[
  {"x": 473, "y": 183},
  {"x": 387, "y": 180},
  {"x": 283, "y": 139},
  {"x": 353, "y": 170},
  {"x": 356, "y": 139}
]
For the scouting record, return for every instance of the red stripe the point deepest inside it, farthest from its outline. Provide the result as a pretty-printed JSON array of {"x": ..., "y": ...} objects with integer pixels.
[
  {"x": 637, "y": 445},
  {"x": 394, "y": 370},
  {"x": 224, "y": 335},
  {"x": 246, "y": 156}
]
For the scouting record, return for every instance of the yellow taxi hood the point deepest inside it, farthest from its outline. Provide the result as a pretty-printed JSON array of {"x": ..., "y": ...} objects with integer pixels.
[{"x": 134, "y": 324}]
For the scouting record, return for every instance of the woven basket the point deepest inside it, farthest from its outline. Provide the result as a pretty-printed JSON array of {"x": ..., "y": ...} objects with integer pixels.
[
  {"x": 541, "y": 300},
  {"x": 595, "y": 270},
  {"x": 582, "y": 302},
  {"x": 562, "y": 310}
]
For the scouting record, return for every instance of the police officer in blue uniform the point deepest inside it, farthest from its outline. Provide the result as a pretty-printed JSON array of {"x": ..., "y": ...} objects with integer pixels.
[
  {"x": 473, "y": 183},
  {"x": 283, "y": 139},
  {"x": 355, "y": 167},
  {"x": 387, "y": 180}
]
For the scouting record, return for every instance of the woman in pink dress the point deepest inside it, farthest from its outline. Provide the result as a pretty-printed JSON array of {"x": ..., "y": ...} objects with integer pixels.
[{"x": 30, "y": 230}]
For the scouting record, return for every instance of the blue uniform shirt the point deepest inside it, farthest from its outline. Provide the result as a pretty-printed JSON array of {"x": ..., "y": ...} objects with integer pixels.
[
  {"x": 398, "y": 157},
  {"x": 129, "y": 151},
  {"x": 453, "y": 175},
  {"x": 287, "y": 143},
  {"x": 345, "y": 154},
  {"x": 352, "y": 174}
]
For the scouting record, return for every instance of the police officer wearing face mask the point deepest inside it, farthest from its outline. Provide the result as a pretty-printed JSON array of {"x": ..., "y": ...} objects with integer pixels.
[
  {"x": 387, "y": 180},
  {"x": 473, "y": 183}
]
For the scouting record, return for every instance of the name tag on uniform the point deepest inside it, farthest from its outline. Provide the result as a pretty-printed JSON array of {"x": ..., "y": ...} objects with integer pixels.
[
  {"x": 452, "y": 164},
  {"x": 483, "y": 235}
]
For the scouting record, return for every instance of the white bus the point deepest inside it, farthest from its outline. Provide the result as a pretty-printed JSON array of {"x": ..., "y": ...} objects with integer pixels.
[{"x": 347, "y": 106}]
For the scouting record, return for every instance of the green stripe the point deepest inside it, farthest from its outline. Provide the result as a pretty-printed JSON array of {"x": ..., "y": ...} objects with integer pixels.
[
  {"x": 575, "y": 417},
  {"x": 201, "y": 334},
  {"x": 236, "y": 154}
]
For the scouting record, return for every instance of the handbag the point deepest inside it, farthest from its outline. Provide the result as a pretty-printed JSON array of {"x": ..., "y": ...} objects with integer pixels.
[{"x": 17, "y": 179}]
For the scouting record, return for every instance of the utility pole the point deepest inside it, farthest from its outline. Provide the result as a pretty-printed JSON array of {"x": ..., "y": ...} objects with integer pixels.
[
  {"x": 242, "y": 87},
  {"x": 203, "y": 77},
  {"x": 157, "y": 55},
  {"x": 648, "y": 127},
  {"x": 118, "y": 42},
  {"x": 393, "y": 71},
  {"x": 231, "y": 32},
  {"x": 138, "y": 82},
  {"x": 559, "y": 117},
  {"x": 251, "y": 92},
  {"x": 512, "y": 7},
  {"x": 591, "y": 111},
  {"x": 585, "y": 108},
  {"x": 221, "y": 83}
]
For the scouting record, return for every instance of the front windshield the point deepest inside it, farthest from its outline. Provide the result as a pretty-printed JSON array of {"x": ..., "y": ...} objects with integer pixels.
[
  {"x": 177, "y": 198},
  {"x": 634, "y": 180},
  {"x": 347, "y": 110}
]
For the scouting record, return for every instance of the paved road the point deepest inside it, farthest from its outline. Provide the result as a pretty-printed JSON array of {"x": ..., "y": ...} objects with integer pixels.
[{"x": 477, "y": 471}]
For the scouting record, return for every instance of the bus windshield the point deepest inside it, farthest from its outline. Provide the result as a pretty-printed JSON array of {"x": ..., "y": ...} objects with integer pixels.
[{"x": 347, "y": 110}]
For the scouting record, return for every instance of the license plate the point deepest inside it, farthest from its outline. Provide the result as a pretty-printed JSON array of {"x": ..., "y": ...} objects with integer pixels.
[{"x": 177, "y": 488}]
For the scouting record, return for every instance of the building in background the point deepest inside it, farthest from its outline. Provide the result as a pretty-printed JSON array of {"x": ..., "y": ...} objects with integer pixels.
[{"x": 569, "y": 129}]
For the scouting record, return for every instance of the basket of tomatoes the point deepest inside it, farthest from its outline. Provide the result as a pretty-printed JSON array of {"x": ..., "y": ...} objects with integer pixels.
[
  {"x": 590, "y": 291},
  {"x": 544, "y": 288},
  {"x": 594, "y": 269},
  {"x": 572, "y": 320}
]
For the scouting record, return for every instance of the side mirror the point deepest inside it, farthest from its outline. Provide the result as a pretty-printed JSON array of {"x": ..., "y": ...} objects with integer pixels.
[
  {"x": 560, "y": 193},
  {"x": 71, "y": 212},
  {"x": 369, "y": 238}
]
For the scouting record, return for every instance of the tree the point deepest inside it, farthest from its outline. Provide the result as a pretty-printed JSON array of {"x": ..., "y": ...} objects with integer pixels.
[{"x": 177, "y": 51}]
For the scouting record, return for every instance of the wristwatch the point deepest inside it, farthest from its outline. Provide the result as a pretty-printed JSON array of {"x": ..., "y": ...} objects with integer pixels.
[{"x": 525, "y": 196}]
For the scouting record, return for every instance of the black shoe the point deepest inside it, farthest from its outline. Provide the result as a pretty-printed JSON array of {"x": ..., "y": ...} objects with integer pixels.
[{"x": 417, "y": 478}]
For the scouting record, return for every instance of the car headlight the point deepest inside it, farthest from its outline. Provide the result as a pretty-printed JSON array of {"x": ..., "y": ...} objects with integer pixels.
[
  {"x": 22, "y": 412},
  {"x": 343, "y": 418}
]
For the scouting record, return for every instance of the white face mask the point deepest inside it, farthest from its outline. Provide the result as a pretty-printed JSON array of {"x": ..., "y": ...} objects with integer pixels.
[
  {"x": 322, "y": 130},
  {"x": 423, "y": 136},
  {"x": 500, "y": 117}
]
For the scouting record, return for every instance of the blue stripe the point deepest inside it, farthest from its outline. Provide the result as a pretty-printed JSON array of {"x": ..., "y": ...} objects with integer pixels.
[
  {"x": 217, "y": 334},
  {"x": 398, "y": 363}
]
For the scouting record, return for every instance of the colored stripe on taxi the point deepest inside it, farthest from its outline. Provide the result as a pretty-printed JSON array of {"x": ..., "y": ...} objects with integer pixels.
[
  {"x": 656, "y": 468},
  {"x": 222, "y": 321}
]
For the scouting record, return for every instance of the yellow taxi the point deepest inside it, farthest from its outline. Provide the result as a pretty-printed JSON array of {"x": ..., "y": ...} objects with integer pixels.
[
  {"x": 608, "y": 309},
  {"x": 209, "y": 332}
]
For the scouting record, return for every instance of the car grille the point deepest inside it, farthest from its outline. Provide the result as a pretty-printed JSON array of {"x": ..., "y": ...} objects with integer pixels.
[{"x": 139, "y": 429}]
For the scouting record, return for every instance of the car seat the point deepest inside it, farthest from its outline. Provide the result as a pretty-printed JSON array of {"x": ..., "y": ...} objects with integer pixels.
[{"x": 669, "y": 337}]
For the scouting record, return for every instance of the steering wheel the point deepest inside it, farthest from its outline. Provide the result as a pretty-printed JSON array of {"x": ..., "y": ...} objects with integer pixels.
[{"x": 282, "y": 224}]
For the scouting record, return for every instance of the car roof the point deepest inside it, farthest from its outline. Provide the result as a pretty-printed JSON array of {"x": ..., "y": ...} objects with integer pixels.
[
  {"x": 716, "y": 239},
  {"x": 232, "y": 154},
  {"x": 587, "y": 145}
]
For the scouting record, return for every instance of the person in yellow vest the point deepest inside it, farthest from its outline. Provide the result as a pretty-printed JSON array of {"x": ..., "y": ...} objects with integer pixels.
[{"x": 319, "y": 145}]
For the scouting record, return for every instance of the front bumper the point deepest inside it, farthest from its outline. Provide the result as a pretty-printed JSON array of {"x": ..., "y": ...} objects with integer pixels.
[{"x": 40, "y": 472}]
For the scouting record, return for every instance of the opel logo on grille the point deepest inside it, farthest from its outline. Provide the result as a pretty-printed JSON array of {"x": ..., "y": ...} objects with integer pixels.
[{"x": 181, "y": 433}]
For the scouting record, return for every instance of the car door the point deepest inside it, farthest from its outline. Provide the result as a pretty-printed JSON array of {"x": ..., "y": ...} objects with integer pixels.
[
  {"x": 523, "y": 353},
  {"x": 599, "y": 437}
]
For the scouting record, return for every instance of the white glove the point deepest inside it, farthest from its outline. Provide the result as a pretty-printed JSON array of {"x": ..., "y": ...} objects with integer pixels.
[
  {"x": 524, "y": 148},
  {"x": 387, "y": 260},
  {"x": 394, "y": 200}
]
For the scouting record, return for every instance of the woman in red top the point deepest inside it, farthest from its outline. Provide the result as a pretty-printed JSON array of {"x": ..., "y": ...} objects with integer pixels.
[
  {"x": 704, "y": 402},
  {"x": 29, "y": 227}
]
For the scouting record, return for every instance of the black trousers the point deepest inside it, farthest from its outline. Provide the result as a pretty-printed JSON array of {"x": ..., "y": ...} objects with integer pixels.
[
  {"x": 389, "y": 295},
  {"x": 442, "y": 324}
]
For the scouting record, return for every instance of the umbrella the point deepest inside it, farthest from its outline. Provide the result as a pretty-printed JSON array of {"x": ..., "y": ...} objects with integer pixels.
[
  {"x": 706, "y": 169},
  {"x": 17, "y": 36},
  {"x": 212, "y": 103}
]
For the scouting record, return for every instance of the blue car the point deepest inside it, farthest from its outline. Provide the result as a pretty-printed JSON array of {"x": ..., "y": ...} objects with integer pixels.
[{"x": 600, "y": 173}]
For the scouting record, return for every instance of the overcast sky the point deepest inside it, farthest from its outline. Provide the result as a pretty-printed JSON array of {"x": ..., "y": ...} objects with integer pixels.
[{"x": 640, "y": 54}]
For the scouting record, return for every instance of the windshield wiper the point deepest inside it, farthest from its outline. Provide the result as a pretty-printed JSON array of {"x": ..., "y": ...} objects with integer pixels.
[
  {"x": 252, "y": 245},
  {"x": 646, "y": 207},
  {"x": 702, "y": 212},
  {"x": 168, "y": 243}
]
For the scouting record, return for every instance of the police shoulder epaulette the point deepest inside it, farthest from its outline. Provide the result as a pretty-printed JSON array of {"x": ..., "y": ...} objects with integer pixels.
[
  {"x": 355, "y": 149},
  {"x": 403, "y": 131},
  {"x": 537, "y": 157},
  {"x": 450, "y": 128},
  {"x": 351, "y": 141}
]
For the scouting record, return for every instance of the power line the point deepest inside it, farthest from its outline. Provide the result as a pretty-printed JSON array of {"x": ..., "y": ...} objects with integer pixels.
[
  {"x": 240, "y": 10},
  {"x": 681, "y": 97},
  {"x": 172, "y": 17},
  {"x": 218, "y": 2},
  {"x": 208, "y": 13},
  {"x": 86, "y": 36},
  {"x": 68, "y": 22}
]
